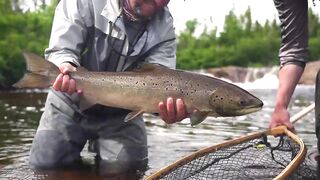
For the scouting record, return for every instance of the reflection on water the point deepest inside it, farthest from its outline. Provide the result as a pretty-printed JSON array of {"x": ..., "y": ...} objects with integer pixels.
[{"x": 21, "y": 111}]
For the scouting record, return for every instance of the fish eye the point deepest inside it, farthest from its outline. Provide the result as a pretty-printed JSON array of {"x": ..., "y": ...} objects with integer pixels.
[{"x": 242, "y": 102}]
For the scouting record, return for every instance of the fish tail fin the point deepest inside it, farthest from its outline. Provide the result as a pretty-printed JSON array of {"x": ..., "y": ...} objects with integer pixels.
[
  {"x": 40, "y": 72},
  {"x": 31, "y": 80},
  {"x": 38, "y": 65}
]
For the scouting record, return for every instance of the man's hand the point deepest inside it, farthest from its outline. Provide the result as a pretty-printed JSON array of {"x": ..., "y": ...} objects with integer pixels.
[
  {"x": 172, "y": 112},
  {"x": 63, "y": 81},
  {"x": 281, "y": 116}
]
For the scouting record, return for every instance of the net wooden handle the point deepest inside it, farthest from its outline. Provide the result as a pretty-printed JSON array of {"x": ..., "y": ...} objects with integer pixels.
[{"x": 302, "y": 113}]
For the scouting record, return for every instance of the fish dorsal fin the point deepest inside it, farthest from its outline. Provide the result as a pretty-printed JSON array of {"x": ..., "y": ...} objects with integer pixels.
[{"x": 146, "y": 67}]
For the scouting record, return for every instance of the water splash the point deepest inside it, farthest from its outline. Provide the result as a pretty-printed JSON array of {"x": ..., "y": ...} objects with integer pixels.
[{"x": 268, "y": 81}]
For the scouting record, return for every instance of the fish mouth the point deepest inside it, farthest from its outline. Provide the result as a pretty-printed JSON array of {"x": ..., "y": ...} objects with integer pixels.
[
  {"x": 240, "y": 112},
  {"x": 250, "y": 110},
  {"x": 253, "y": 108}
]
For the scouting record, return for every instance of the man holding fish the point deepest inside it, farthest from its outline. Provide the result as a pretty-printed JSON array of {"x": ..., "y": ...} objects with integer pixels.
[
  {"x": 108, "y": 63},
  {"x": 110, "y": 35}
]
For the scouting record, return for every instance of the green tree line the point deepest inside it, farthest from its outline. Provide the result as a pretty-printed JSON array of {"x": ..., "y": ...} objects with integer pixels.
[
  {"x": 21, "y": 31},
  {"x": 241, "y": 43}
]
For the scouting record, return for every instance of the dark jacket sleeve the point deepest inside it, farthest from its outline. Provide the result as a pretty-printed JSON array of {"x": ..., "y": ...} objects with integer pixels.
[{"x": 293, "y": 15}]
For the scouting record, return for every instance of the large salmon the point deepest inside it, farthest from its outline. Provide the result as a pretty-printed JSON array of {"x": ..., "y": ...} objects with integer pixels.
[{"x": 142, "y": 89}]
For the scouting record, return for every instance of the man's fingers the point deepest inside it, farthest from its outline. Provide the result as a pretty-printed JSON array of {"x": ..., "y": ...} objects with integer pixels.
[
  {"x": 163, "y": 111},
  {"x": 65, "y": 71},
  {"x": 79, "y": 91},
  {"x": 57, "y": 83},
  {"x": 171, "y": 109},
  {"x": 290, "y": 126},
  {"x": 72, "y": 86},
  {"x": 181, "y": 110},
  {"x": 65, "y": 83},
  {"x": 66, "y": 67}
]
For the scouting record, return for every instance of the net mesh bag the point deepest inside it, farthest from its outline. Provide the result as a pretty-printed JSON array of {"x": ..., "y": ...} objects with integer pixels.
[{"x": 260, "y": 158}]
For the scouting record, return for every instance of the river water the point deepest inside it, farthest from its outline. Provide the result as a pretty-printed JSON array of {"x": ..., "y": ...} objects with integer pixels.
[{"x": 20, "y": 112}]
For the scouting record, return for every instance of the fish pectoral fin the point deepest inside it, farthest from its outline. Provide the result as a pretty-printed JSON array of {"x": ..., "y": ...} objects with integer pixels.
[
  {"x": 85, "y": 103},
  {"x": 133, "y": 115},
  {"x": 198, "y": 116}
]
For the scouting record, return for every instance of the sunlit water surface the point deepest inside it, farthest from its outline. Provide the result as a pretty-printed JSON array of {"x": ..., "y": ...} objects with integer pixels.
[{"x": 20, "y": 113}]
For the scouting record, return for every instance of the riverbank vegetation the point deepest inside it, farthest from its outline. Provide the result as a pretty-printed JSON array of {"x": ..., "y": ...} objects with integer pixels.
[{"x": 242, "y": 42}]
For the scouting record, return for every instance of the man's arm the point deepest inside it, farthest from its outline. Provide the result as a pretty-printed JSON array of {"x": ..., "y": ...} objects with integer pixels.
[
  {"x": 293, "y": 54},
  {"x": 69, "y": 31},
  {"x": 289, "y": 76},
  {"x": 66, "y": 41}
]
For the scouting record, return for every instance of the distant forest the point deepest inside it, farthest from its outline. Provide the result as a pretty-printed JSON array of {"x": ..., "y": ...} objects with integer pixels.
[{"x": 241, "y": 43}]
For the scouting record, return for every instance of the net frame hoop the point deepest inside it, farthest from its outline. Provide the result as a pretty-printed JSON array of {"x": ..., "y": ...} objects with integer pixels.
[{"x": 280, "y": 130}]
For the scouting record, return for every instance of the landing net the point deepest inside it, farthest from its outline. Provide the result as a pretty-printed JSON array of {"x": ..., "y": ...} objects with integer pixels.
[{"x": 257, "y": 156}]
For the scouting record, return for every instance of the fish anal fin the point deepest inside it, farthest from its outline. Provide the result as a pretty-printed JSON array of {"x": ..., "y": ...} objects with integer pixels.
[
  {"x": 85, "y": 103},
  {"x": 133, "y": 115},
  {"x": 198, "y": 116}
]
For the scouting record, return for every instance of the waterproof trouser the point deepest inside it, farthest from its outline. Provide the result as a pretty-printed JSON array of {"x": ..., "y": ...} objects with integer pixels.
[{"x": 63, "y": 132}]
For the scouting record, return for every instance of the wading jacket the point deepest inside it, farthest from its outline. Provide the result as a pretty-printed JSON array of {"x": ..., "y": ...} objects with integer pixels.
[{"x": 93, "y": 34}]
